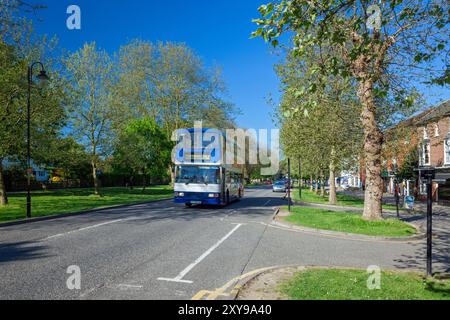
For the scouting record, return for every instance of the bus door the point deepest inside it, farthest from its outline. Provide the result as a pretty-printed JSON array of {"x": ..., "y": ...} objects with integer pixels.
[{"x": 223, "y": 182}]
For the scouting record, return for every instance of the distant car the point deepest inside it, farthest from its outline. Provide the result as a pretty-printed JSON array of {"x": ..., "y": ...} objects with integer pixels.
[{"x": 279, "y": 186}]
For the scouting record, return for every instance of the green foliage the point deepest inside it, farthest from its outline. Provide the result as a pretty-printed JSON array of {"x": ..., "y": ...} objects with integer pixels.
[
  {"x": 46, "y": 109},
  {"x": 412, "y": 39},
  {"x": 89, "y": 80},
  {"x": 143, "y": 148},
  {"x": 168, "y": 82},
  {"x": 71, "y": 157},
  {"x": 323, "y": 129},
  {"x": 378, "y": 48},
  {"x": 407, "y": 170}
]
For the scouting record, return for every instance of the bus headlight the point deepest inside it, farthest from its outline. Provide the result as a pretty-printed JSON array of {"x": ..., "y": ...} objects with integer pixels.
[
  {"x": 213, "y": 195},
  {"x": 180, "y": 194}
]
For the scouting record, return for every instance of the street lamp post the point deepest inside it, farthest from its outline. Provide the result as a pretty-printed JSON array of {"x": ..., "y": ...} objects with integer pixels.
[
  {"x": 289, "y": 184},
  {"x": 300, "y": 181},
  {"x": 429, "y": 174},
  {"x": 42, "y": 76},
  {"x": 397, "y": 198}
]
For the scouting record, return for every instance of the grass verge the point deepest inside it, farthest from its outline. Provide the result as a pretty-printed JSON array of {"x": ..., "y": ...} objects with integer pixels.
[
  {"x": 337, "y": 284},
  {"x": 348, "y": 222},
  {"x": 75, "y": 200},
  {"x": 342, "y": 199}
]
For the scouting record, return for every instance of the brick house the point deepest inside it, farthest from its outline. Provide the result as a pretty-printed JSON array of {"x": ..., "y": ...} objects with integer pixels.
[
  {"x": 433, "y": 132},
  {"x": 427, "y": 133},
  {"x": 400, "y": 141}
]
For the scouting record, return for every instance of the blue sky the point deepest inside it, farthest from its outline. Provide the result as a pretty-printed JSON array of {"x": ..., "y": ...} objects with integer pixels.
[{"x": 218, "y": 31}]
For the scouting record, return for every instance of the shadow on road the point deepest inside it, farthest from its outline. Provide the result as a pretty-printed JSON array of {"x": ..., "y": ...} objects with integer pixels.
[
  {"x": 251, "y": 207},
  {"x": 441, "y": 254},
  {"x": 21, "y": 251}
]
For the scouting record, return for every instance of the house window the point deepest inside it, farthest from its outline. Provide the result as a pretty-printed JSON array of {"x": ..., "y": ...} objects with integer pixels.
[
  {"x": 424, "y": 154},
  {"x": 423, "y": 189},
  {"x": 425, "y": 134},
  {"x": 436, "y": 130},
  {"x": 447, "y": 151}
]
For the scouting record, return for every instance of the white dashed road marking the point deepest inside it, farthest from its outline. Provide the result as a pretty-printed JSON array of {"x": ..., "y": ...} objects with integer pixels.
[{"x": 183, "y": 273}]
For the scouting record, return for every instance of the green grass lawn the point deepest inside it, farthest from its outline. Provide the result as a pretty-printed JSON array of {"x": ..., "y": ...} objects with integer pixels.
[
  {"x": 330, "y": 284},
  {"x": 342, "y": 199},
  {"x": 76, "y": 200},
  {"x": 348, "y": 222}
]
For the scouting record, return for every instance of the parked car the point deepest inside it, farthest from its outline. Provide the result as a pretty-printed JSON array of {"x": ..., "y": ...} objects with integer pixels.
[{"x": 279, "y": 186}]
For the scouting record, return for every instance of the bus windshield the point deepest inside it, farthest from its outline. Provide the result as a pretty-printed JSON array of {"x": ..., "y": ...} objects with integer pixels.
[{"x": 194, "y": 174}]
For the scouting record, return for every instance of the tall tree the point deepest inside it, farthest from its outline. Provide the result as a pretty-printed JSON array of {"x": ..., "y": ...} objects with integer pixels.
[
  {"x": 18, "y": 50},
  {"x": 143, "y": 149},
  {"x": 169, "y": 83},
  {"x": 90, "y": 79},
  {"x": 326, "y": 137},
  {"x": 377, "y": 44}
]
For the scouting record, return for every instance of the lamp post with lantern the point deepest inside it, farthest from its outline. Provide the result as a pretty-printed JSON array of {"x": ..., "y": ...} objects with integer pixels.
[{"x": 42, "y": 77}]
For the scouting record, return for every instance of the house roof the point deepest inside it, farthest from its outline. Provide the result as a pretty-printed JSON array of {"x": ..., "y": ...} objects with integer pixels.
[
  {"x": 436, "y": 113},
  {"x": 429, "y": 115},
  {"x": 410, "y": 122}
]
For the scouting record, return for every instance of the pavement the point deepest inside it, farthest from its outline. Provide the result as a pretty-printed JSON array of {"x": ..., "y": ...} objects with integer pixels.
[
  {"x": 441, "y": 227},
  {"x": 166, "y": 251}
]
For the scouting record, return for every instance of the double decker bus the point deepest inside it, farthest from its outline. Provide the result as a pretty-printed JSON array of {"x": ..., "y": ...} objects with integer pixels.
[{"x": 201, "y": 175}]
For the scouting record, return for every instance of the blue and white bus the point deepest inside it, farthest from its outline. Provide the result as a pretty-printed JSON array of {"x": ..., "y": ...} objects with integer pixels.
[{"x": 201, "y": 175}]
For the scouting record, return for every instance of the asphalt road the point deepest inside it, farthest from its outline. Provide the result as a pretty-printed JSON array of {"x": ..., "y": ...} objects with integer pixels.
[{"x": 165, "y": 251}]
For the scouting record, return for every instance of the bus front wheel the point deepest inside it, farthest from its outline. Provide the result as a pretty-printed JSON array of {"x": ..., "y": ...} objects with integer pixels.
[{"x": 188, "y": 205}]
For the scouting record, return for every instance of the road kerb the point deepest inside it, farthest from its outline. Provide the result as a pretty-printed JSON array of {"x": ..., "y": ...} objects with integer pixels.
[{"x": 230, "y": 290}]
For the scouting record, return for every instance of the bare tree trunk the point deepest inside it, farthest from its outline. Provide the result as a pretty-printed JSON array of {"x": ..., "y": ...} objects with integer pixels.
[
  {"x": 373, "y": 140},
  {"x": 95, "y": 177},
  {"x": 317, "y": 184},
  {"x": 322, "y": 184},
  {"x": 3, "y": 196},
  {"x": 144, "y": 182},
  {"x": 311, "y": 185},
  {"x": 172, "y": 175},
  {"x": 333, "y": 197}
]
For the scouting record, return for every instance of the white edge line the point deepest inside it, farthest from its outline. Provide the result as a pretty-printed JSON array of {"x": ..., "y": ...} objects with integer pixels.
[
  {"x": 83, "y": 229},
  {"x": 175, "y": 280},
  {"x": 130, "y": 286}
]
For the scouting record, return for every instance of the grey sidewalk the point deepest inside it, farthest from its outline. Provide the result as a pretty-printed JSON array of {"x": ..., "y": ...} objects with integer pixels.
[{"x": 441, "y": 224}]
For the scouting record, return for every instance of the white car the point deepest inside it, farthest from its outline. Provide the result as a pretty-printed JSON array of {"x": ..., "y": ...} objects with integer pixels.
[{"x": 279, "y": 186}]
